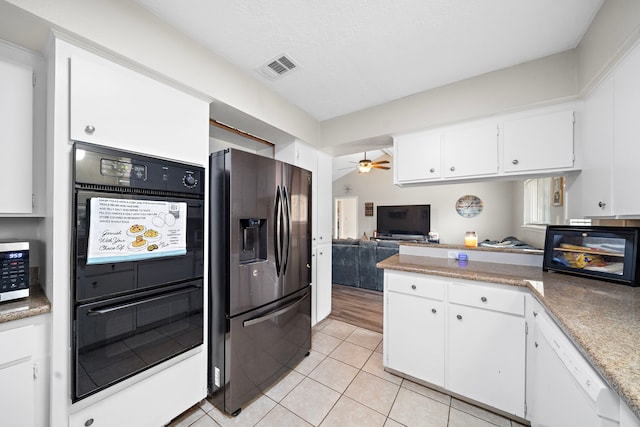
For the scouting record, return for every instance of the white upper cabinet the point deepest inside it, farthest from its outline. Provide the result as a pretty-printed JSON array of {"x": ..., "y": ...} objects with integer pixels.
[
  {"x": 323, "y": 185},
  {"x": 626, "y": 151},
  {"x": 522, "y": 144},
  {"x": 115, "y": 106},
  {"x": 417, "y": 157},
  {"x": 471, "y": 151},
  {"x": 16, "y": 137},
  {"x": 538, "y": 143},
  {"x": 595, "y": 131}
]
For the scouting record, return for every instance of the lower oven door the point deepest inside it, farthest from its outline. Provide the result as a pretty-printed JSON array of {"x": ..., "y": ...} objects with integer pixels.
[{"x": 120, "y": 337}]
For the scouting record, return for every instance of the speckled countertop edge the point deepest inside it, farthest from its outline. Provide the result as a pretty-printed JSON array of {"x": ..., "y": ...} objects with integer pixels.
[
  {"x": 477, "y": 248},
  {"x": 610, "y": 340},
  {"x": 36, "y": 303}
]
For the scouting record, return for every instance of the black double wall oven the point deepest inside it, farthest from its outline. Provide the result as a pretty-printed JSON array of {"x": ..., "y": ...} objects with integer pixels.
[{"x": 138, "y": 262}]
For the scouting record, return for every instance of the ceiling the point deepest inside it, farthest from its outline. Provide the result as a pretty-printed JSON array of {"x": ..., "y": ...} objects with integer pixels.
[{"x": 355, "y": 54}]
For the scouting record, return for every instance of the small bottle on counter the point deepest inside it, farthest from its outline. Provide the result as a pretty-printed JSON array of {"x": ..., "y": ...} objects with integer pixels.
[{"x": 470, "y": 239}]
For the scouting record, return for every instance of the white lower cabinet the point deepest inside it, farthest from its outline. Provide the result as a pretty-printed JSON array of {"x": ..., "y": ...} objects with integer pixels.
[
  {"x": 17, "y": 393},
  {"x": 468, "y": 338},
  {"x": 487, "y": 342},
  {"x": 322, "y": 282},
  {"x": 414, "y": 333}
]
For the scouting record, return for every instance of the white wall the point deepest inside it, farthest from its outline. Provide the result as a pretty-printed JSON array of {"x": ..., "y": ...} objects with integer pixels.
[
  {"x": 131, "y": 32},
  {"x": 495, "y": 221}
]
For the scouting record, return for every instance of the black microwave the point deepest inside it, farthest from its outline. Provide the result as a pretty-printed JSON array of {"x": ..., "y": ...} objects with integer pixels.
[{"x": 606, "y": 253}]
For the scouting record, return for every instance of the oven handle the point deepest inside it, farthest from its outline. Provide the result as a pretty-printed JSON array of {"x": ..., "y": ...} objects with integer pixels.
[
  {"x": 276, "y": 313},
  {"x": 106, "y": 310}
]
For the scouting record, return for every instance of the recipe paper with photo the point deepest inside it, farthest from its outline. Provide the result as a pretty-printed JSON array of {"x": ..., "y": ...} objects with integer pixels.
[{"x": 131, "y": 230}]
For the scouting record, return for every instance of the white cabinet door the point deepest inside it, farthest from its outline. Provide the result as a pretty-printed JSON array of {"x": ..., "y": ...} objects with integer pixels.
[
  {"x": 626, "y": 151},
  {"x": 16, "y": 376},
  {"x": 539, "y": 142},
  {"x": 323, "y": 200},
  {"x": 16, "y": 394},
  {"x": 415, "y": 336},
  {"x": 115, "y": 106},
  {"x": 322, "y": 281},
  {"x": 470, "y": 152},
  {"x": 16, "y": 137},
  {"x": 595, "y": 123},
  {"x": 417, "y": 157},
  {"x": 486, "y": 359}
]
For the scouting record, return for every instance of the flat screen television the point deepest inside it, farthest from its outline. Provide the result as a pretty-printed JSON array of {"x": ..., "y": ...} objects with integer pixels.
[{"x": 403, "y": 221}]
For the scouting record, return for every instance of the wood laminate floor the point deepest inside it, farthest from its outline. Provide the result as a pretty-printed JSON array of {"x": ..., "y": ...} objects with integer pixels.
[{"x": 359, "y": 307}]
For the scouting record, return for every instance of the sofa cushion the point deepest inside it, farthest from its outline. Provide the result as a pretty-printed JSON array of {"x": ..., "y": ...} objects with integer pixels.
[
  {"x": 367, "y": 259},
  {"x": 345, "y": 265}
]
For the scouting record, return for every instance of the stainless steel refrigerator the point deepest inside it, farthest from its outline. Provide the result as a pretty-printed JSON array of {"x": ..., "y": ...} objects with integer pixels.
[{"x": 259, "y": 274}]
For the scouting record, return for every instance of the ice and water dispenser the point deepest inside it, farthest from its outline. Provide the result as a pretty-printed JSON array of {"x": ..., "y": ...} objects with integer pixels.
[{"x": 253, "y": 240}]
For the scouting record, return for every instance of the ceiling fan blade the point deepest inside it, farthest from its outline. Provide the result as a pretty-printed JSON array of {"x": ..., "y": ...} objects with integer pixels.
[
  {"x": 381, "y": 167},
  {"x": 380, "y": 162}
]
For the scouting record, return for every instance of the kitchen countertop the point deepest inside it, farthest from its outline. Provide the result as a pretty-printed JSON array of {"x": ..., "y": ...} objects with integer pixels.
[
  {"x": 507, "y": 249},
  {"x": 602, "y": 318},
  {"x": 36, "y": 303}
]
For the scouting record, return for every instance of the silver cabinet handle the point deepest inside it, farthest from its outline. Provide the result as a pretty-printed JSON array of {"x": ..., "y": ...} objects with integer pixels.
[
  {"x": 535, "y": 314},
  {"x": 483, "y": 299},
  {"x": 413, "y": 287},
  {"x": 452, "y": 168},
  {"x": 459, "y": 317},
  {"x": 514, "y": 161},
  {"x": 89, "y": 130},
  {"x": 602, "y": 205},
  {"x": 433, "y": 310},
  {"x": 432, "y": 170}
]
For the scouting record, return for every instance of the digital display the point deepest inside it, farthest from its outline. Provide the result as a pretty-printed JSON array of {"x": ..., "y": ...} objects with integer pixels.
[{"x": 15, "y": 255}]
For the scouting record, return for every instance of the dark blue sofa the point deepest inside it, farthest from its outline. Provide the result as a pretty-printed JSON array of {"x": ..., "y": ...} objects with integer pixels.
[{"x": 354, "y": 262}]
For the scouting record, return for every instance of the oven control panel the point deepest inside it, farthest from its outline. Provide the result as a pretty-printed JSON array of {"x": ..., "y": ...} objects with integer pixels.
[{"x": 97, "y": 165}]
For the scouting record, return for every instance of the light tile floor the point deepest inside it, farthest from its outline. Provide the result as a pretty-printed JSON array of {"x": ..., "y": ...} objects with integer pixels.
[{"x": 342, "y": 383}]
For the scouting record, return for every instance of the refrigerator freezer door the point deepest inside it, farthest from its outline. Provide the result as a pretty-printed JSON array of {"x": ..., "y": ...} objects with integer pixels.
[{"x": 263, "y": 346}]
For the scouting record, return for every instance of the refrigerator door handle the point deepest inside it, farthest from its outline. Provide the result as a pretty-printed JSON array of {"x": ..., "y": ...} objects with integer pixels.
[
  {"x": 287, "y": 212},
  {"x": 276, "y": 313},
  {"x": 277, "y": 229}
]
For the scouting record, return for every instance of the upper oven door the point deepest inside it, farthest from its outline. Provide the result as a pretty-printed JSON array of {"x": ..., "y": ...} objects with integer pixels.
[{"x": 97, "y": 281}]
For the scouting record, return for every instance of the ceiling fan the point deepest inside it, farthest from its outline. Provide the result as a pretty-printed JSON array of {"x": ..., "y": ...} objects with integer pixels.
[{"x": 365, "y": 165}]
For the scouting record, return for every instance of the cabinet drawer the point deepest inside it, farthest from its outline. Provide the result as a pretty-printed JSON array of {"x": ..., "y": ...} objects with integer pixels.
[
  {"x": 489, "y": 298},
  {"x": 414, "y": 284},
  {"x": 16, "y": 344}
]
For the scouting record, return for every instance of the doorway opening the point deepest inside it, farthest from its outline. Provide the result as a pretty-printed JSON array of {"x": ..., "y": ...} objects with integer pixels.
[{"x": 345, "y": 218}]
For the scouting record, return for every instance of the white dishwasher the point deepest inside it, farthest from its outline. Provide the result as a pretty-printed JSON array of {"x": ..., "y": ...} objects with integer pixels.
[{"x": 566, "y": 390}]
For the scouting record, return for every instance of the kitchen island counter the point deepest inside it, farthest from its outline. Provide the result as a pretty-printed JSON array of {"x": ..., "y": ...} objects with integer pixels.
[{"x": 602, "y": 318}]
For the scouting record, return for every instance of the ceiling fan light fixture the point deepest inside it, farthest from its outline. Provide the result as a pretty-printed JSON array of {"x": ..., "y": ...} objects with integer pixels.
[{"x": 364, "y": 167}]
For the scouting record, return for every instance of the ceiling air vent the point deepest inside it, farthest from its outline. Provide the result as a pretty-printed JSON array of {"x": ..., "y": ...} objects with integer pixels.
[{"x": 278, "y": 67}]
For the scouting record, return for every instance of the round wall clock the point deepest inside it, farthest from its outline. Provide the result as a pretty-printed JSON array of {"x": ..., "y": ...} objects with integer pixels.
[{"x": 469, "y": 206}]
